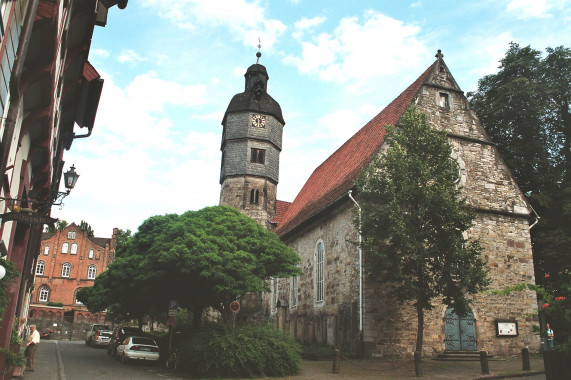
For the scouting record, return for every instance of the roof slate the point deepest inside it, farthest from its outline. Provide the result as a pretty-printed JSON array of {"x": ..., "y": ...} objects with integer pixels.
[{"x": 337, "y": 174}]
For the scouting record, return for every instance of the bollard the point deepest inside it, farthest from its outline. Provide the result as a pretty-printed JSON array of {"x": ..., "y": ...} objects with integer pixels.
[
  {"x": 337, "y": 361},
  {"x": 484, "y": 362},
  {"x": 525, "y": 359}
]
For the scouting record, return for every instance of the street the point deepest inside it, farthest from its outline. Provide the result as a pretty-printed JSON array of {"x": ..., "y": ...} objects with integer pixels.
[
  {"x": 71, "y": 360},
  {"x": 65, "y": 360}
]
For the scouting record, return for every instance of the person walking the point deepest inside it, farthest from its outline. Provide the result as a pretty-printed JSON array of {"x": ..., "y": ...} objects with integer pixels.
[
  {"x": 31, "y": 347},
  {"x": 549, "y": 338}
]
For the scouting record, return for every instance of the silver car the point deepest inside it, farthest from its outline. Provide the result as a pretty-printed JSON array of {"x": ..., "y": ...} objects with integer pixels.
[
  {"x": 138, "y": 348},
  {"x": 101, "y": 338}
]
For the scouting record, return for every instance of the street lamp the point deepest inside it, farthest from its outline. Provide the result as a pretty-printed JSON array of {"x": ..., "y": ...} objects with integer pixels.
[{"x": 70, "y": 178}]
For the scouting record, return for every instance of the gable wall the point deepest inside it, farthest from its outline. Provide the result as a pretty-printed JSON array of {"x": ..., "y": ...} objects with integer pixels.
[{"x": 503, "y": 229}]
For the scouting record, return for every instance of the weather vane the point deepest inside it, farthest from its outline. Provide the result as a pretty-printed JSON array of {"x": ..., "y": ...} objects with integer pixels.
[{"x": 259, "y": 54}]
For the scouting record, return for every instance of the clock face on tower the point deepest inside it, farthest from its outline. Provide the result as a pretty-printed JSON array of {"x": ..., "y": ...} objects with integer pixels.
[{"x": 259, "y": 121}]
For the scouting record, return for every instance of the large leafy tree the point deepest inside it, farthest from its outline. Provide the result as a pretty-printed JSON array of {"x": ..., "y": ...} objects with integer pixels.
[
  {"x": 413, "y": 222},
  {"x": 526, "y": 109},
  {"x": 204, "y": 258}
]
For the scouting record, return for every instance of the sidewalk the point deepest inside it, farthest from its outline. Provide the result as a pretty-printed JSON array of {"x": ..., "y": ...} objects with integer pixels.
[{"x": 432, "y": 369}]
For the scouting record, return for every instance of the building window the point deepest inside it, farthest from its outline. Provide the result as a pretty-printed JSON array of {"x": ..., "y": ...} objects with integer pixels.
[
  {"x": 65, "y": 247},
  {"x": 90, "y": 254},
  {"x": 319, "y": 272},
  {"x": 46, "y": 250},
  {"x": 293, "y": 292},
  {"x": 66, "y": 270},
  {"x": 444, "y": 100},
  {"x": 255, "y": 196},
  {"x": 44, "y": 294},
  {"x": 258, "y": 156},
  {"x": 74, "y": 249},
  {"x": 40, "y": 267},
  {"x": 91, "y": 272},
  {"x": 71, "y": 235},
  {"x": 78, "y": 302}
]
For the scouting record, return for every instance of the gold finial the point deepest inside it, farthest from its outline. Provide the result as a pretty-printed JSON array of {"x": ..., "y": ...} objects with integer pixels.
[{"x": 259, "y": 54}]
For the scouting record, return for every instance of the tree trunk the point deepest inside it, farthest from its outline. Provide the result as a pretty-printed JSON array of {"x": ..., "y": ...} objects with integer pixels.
[{"x": 419, "y": 340}]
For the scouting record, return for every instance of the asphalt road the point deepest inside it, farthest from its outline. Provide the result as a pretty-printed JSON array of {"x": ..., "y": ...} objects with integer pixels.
[{"x": 72, "y": 360}]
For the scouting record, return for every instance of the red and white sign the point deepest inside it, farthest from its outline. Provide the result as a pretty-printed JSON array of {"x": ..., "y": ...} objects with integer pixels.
[{"x": 235, "y": 306}]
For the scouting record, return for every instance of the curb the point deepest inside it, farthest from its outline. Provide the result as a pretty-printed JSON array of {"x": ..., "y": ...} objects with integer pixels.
[{"x": 511, "y": 375}]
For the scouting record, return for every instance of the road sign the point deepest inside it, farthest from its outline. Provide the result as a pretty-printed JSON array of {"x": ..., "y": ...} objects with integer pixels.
[
  {"x": 235, "y": 306},
  {"x": 173, "y": 308}
]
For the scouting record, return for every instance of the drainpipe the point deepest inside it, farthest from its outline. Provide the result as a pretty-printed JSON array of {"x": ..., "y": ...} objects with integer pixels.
[
  {"x": 360, "y": 269},
  {"x": 536, "y": 217}
]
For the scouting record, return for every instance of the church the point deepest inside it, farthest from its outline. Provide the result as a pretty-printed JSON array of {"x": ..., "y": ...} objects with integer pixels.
[{"x": 332, "y": 302}]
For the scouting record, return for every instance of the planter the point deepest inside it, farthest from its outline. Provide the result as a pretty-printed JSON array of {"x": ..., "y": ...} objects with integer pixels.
[{"x": 18, "y": 372}]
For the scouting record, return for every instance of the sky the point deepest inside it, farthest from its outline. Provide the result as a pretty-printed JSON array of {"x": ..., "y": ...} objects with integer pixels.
[{"x": 171, "y": 68}]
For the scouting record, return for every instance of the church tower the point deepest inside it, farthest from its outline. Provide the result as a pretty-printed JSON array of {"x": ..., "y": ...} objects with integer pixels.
[{"x": 251, "y": 146}]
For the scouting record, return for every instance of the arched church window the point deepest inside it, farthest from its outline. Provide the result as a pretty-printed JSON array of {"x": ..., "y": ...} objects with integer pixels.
[
  {"x": 319, "y": 272},
  {"x": 255, "y": 196}
]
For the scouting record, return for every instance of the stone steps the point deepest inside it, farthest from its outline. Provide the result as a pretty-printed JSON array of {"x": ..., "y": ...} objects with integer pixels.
[{"x": 460, "y": 356}]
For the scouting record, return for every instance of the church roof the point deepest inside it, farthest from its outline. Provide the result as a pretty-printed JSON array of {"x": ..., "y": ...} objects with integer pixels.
[
  {"x": 281, "y": 208},
  {"x": 337, "y": 174},
  {"x": 246, "y": 101}
]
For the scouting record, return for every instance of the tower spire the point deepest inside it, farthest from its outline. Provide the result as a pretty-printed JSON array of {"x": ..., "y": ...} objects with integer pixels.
[{"x": 259, "y": 54}]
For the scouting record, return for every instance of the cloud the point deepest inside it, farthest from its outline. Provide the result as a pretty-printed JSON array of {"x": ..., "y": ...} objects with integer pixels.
[
  {"x": 246, "y": 20},
  {"x": 305, "y": 24},
  {"x": 129, "y": 56},
  {"x": 138, "y": 163},
  {"x": 99, "y": 53},
  {"x": 527, "y": 9},
  {"x": 361, "y": 49}
]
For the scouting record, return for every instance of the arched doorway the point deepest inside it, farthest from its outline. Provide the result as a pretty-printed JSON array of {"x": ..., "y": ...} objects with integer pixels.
[{"x": 460, "y": 332}]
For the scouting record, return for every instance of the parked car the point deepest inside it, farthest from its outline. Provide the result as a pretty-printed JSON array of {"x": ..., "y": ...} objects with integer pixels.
[
  {"x": 119, "y": 335},
  {"x": 102, "y": 338},
  {"x": 93, "y": 331},
  {"x": 138, "y": 348},
  {"x": 46, "y": 333}
]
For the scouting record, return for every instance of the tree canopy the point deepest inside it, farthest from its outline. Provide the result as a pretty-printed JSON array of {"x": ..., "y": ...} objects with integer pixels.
[
  {"x": 526, "y": 110},
  {"x": 414, "y": 219},
  {"x": 204, "y": 258}
]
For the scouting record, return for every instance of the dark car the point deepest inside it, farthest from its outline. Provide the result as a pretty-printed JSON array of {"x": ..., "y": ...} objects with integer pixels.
[
  {"x": 46, "y": 333},
  {"x": 119, "y": 335}
]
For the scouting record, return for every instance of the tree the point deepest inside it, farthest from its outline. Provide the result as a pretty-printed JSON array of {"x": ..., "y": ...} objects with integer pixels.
[
  {"x": 413, "y": 222},
  {"x": 60, "y": 225},
  {"x": 525, "y": 108},
  {"x": 204, "y": 258},
  {"x": 121, "y": 240},
  {"x": 84, "y": 226}
]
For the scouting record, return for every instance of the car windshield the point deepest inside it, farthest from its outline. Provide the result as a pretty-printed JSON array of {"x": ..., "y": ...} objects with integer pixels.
[
  {"x": 106, "y": 333},
  {"x": 147, "y": 341},
  {"x": 101, "y": 327}
]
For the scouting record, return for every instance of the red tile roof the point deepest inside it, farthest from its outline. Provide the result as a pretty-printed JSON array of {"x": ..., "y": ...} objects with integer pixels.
[
  {"x": 281, "y": 208},
  {"x": 334, "y": 177}
]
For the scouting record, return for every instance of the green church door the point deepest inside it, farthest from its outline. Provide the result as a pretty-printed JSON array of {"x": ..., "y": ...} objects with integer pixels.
[{"x": 460, "y": 332}]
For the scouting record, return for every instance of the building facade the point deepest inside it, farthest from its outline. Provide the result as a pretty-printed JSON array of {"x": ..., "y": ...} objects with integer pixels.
[
  {"x": 49, "y": 95},
  {"x": 333, "y": 302},
  {"x": 68, "y": 260}
]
